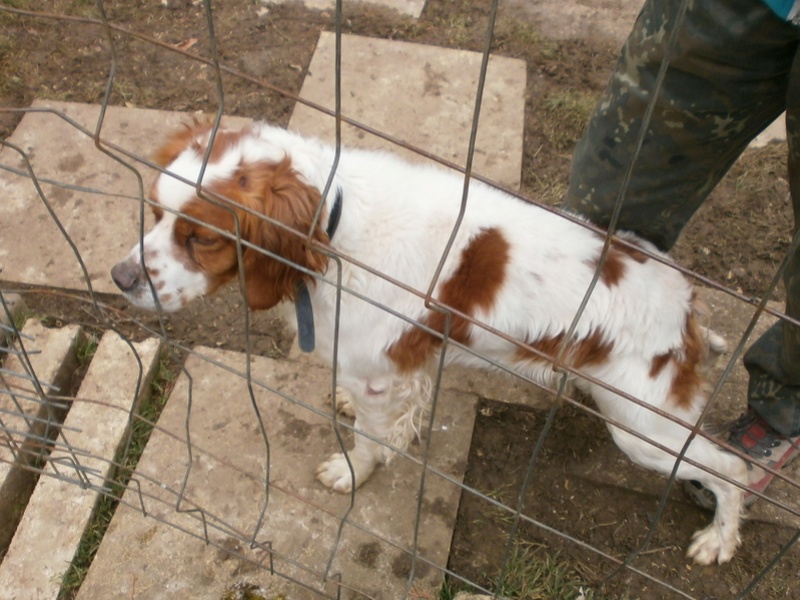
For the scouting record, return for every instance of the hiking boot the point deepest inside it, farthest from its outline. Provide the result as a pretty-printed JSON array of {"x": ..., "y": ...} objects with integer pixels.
[{"x": 754, "y": 437}]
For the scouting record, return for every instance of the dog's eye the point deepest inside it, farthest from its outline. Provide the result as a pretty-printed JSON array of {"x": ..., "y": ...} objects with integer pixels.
[{"x": 203, "y": 240}]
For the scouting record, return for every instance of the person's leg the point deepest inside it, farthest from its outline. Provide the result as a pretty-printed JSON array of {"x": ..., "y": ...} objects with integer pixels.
[
  {"x": 729, "y": 77},
  {"x": 770, "y": 431},
  {"x": 727, "y": 81}
]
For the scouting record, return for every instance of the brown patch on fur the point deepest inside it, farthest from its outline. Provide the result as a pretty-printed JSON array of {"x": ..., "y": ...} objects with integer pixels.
[
  {"x": 158, "y": 212},
  {"x": 688, "y": 379},
  {"x": 637, "y": 255},
  {"x": 274, "y": 190},
  {"x": 658, "y": 363},
  {"x": 195, "y": 136},
  {"x": 277, "y": 191},
  {"x": 689, "y": 360},
  {"x": 591, "y": 350},
  {"x": 180, "y": 140},
  {"x": 613, "y": 269},
  {"x": 474, "y": 285}
]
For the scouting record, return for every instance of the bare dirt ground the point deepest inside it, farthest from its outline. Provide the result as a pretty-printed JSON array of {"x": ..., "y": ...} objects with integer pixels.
[{"x": 737, "y": 239}]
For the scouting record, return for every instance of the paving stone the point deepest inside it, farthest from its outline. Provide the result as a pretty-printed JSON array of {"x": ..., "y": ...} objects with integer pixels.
[
  {"x": 412, "y": 8},
  {"x": 24, "y": 414},
  {"x": 422, "y": 95},
  {"x": 33, "y": 249},
  {"x": 776, "y": 132},
  {"x": 578, "y": 19},
  {"x": 164, "y": 555},
  {"x": 60, "y": 508}
]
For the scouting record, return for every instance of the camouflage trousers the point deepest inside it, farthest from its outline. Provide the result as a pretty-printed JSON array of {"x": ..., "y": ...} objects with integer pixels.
[{"x": 733, "y": 70}]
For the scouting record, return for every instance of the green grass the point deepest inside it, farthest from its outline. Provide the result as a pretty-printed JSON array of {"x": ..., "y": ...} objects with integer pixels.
[
  {"x": 532, "y": 573},
  {"x": 248, "y": 591},
  {"x": 86, "y": 350},
  {"x": 565, "y": 116}
]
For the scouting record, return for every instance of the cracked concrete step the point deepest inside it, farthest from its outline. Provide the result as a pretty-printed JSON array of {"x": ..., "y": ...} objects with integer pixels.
[
  {"x": 61, "y": 506},
  {"x": 165, "y": 555},
  {"x": 24, "y": 413}
]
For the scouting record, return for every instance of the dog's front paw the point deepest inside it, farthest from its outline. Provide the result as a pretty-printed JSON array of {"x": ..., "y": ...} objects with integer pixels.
[
  {"x": 335, "y": 472},
  {"x": 708, "y": 546},
  {"x": 344, "y": 403}
]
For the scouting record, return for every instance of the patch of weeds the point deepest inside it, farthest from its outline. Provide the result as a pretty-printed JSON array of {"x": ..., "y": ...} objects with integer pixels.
[
  {"x": 457, "y": 29},
  {"x": 90, "y": 543},
  {"x": 86, "y": 350},
  {"x": 141, "y": 428},
  {"x": 500, "y": 516},
  {"x": 12, "y": 77},
  {"x": 131, "y": 94},
  {"x": 565, "y": 116},
  {"x": 448, "y": 591},
  {"x": 20, "y": 4},
  {"x": 248, "y": 591},
  {"x": 548, "y": 190},
  {"x": 13, "y": 307},
  {"x": 21, "y": 317},
  {"x": 759, "y": 170},
  {"x": 532, "y": 574},
  {"x": 458, "y": 23},
  {"x": 523, "y": 38}
]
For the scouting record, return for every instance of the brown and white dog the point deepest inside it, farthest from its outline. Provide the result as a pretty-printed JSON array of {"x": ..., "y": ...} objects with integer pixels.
[{"x": 518, "y": 269}]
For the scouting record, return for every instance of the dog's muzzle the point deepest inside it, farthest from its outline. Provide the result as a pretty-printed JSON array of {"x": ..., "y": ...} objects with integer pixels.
[{"x": 126, "y": 275}]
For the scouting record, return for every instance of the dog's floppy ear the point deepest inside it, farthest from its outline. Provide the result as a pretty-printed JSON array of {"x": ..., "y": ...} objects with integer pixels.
[
  {"x": 276, "y": 191},
  {"x": 180, "y": 140}
]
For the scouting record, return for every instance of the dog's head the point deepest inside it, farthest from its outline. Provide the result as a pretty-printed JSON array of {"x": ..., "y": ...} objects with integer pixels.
[{"x": 252, "y": 216}]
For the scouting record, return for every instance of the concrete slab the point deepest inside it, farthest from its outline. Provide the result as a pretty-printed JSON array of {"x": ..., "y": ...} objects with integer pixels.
[
  {"x": 422, "y": 95},
  {"x": 579, "y": 19},
  {"x": 774, "y": 133},
  {"x": 59, "y": 509},
  {"x": 411, "y": 8},
  {"x": 23, "y": 413},
  {"x": 165, "y": 556},
  {"x": 83, "y": 186}
]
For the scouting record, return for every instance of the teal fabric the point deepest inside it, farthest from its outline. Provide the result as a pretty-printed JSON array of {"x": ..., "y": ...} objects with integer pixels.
[{"x": 782, "y": 8}]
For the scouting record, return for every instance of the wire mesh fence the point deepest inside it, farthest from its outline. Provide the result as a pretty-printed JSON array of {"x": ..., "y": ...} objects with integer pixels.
[{"x": 211, "y": 479}]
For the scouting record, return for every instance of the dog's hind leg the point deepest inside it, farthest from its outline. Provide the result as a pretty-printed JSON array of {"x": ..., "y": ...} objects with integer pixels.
[{"x": 717, "y": 542}]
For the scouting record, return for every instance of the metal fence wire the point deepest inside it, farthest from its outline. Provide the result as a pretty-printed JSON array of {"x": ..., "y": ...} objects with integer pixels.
[{"x": 186, "y": 500}]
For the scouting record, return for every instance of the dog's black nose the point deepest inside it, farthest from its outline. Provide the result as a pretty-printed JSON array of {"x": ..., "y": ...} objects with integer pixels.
[{"x": 125, "y": 275}]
